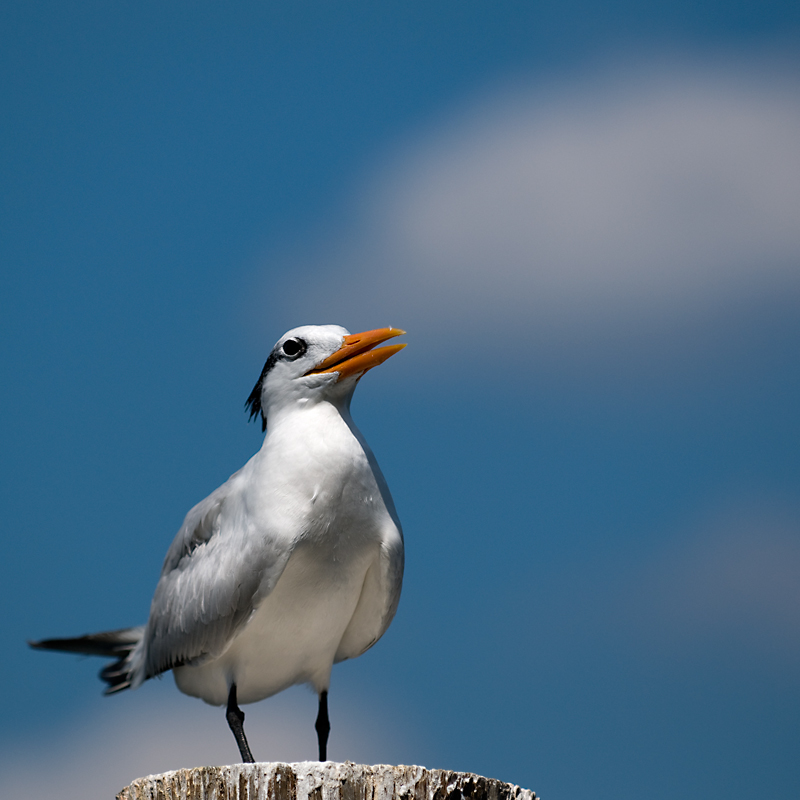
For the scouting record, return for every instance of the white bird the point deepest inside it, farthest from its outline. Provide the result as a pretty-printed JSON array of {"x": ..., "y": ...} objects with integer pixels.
[{"x": 294, "y": 564}]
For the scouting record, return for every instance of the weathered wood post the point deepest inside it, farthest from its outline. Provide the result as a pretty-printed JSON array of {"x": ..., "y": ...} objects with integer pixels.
[{"x": 311, "y": 780}]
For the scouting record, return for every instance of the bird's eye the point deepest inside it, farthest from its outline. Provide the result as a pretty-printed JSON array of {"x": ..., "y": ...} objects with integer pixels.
[{"x": 293, "y": 348}]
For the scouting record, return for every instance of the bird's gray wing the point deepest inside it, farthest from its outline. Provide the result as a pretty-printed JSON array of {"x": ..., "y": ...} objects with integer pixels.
[
  {"x": 380, "y": 595},
  {"x": 216, "y": 566}
]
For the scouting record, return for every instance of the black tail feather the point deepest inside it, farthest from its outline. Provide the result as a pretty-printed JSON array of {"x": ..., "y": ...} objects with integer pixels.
[{"x": 117, "y": 644}]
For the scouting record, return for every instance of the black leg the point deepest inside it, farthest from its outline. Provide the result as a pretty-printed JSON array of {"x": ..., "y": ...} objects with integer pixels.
[
  {"x": 235, "y": 717},
  {"x": 323, "y": 726}
]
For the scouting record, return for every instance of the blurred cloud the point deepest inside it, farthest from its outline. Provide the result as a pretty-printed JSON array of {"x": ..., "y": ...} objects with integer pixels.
[
  {"x": 648, "y": 202},
  {"x": 729, "y": 582},
  {"x": 724, "y": 586},
  {"x": 736, "y": 579},
  {"x": 155, "y": 730}
]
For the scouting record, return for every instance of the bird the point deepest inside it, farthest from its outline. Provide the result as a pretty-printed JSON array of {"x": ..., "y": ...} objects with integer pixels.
[{"x": 294, "y": 564}]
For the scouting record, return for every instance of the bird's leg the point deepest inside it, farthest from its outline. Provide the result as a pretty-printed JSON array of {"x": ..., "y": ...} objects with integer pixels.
[
  {"x": 235, "y": 717},
  {"x": 323, "y": 726}
]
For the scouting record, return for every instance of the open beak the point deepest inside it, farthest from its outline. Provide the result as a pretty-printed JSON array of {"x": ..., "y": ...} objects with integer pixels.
[{"x": 357, "y": 355}]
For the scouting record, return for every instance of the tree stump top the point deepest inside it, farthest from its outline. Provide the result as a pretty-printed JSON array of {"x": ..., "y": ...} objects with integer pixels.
[{"x": 311, "y": 780}]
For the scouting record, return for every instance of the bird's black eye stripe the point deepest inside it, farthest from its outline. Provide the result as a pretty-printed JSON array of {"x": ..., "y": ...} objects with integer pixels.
[
  {"x": 293, "y": 348},
  {"x": 290, "y": 350}
]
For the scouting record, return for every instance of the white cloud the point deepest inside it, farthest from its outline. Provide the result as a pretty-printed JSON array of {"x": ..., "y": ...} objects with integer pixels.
[
  {"x": 639, "y": 201},
  {"x": 733, "y": 580},
  {"x": 155, "y": 729}
]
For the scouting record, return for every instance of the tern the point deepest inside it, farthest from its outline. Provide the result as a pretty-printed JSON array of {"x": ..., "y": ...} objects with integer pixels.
[{"x": 294, "y": 564}]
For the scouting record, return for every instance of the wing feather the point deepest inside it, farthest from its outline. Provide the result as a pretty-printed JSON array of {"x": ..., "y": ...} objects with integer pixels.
[
  {"x": 216, "y": 570},
  {"x": 380, "y": 595}
]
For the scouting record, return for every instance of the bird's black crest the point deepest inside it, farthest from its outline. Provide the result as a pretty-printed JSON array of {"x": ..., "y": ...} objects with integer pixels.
[{"x": 253, "y": 403}]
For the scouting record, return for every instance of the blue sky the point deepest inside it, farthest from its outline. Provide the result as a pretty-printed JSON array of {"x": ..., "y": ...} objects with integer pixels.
[{"x": 586, "y": 217}]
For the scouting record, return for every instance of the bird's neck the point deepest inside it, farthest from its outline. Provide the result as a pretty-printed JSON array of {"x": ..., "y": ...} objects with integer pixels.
[{"x": 304, "y": 411}]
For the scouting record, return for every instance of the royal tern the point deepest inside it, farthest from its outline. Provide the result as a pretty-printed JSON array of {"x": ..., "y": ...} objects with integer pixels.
[{"x": 293, "y": 564}]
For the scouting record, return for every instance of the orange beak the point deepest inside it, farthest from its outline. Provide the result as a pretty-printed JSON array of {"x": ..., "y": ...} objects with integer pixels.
[{"x": 356, "y": 353}]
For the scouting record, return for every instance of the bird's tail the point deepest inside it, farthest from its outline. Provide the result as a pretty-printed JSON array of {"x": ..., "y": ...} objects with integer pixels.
[{"x": 118, "y": 644}]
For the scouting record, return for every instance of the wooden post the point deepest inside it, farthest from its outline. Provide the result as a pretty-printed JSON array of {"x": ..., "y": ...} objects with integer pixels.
[{"x": 311, "y": 780}]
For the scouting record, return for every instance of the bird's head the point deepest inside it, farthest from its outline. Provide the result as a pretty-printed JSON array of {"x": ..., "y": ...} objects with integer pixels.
[{"x": 317, "y": 362}]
